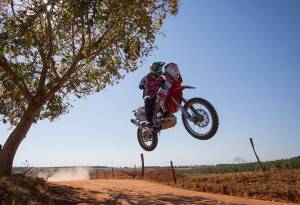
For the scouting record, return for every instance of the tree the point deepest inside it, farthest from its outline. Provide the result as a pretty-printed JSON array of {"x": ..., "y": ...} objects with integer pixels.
[{"x": 51, "y": 50}]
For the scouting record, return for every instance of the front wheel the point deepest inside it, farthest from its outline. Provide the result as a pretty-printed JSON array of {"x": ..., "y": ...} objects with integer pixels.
[
  {"x": 147, "y": 140},
  {"x": 203, "y": 122}
]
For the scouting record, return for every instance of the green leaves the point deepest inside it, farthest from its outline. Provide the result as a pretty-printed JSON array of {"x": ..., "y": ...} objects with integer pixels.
[{"x": 58, "y": 49}]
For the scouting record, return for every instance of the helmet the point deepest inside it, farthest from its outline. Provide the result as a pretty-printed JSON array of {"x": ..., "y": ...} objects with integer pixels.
[
  {"x": 173, "y": 70},
  {"x": 156, "y": 68}
]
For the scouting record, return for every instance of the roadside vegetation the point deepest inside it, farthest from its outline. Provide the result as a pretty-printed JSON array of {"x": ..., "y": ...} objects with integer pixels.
[{"x": 282, "y": 164}]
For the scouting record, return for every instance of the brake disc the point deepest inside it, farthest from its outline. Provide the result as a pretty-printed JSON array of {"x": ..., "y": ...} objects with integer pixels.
[{"x": 202, "y": 118}]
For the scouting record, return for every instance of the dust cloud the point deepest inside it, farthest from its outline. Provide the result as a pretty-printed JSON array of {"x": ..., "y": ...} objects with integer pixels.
[{"x": 70, "y": 174}]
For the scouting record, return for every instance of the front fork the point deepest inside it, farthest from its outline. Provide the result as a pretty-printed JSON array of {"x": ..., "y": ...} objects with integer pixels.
[{"x": 185, "y": 113}]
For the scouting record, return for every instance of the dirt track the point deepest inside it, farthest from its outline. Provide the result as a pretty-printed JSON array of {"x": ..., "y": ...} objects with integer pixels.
[{"x": 125, "y": 192}]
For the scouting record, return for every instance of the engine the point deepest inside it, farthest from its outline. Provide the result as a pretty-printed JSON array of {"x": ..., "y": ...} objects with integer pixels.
[{"x": 168, "y": 122}]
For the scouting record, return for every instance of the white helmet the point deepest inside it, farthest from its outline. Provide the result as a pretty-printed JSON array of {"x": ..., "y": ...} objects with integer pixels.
[{"x": 173, "y": 70}]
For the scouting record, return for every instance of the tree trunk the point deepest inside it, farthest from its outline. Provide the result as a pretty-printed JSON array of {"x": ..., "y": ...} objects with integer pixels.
[{"x": 11, "y": 145}]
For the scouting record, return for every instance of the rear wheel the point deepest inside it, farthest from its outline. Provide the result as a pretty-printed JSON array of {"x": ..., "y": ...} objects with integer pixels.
[
  {"x": 147, "y": 140},
  {"x": 204, "y": 122}
]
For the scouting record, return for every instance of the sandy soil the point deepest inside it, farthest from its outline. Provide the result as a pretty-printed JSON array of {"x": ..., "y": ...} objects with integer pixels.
[{"x": 123, "y": 192}]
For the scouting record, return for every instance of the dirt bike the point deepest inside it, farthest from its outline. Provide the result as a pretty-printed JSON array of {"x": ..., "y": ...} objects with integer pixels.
[{"x": 199, "y": 118}]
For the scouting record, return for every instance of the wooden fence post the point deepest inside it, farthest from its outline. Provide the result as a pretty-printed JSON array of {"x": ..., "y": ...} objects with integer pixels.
[
  {"x": 112, "y": 171},
  {"x": 143, "y": 168},
  {"x": 173, "y": 173},
  {"x": 97, "y": 172},
  {"x": 260, "y": 164}
]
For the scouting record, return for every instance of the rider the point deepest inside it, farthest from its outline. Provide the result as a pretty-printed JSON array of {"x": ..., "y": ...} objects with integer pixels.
[{"x": 151, "y": 84}]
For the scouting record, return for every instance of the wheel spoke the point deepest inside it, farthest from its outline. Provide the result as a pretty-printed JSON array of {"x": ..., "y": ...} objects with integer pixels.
[
  {"x": 201, "y": 117},
  {"x": 146, "y": 139}
]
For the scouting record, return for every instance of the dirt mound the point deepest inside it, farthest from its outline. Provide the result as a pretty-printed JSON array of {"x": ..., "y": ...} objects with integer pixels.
[
  {"x": 161, "y": 175},
  {"x": 22, "y": 190},
  {"x": 117, "y": 173},
  {"x": 282, "y": 186}
]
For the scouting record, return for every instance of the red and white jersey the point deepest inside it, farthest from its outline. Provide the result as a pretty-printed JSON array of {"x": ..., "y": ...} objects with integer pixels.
[{"x": 151, "y": 84}]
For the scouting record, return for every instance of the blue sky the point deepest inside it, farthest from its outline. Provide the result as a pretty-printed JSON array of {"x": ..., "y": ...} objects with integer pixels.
[{"x": 243, "y": 56}]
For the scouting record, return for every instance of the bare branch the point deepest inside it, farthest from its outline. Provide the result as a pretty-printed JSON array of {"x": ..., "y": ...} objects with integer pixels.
[
  {"x": 46, "y": 58},
  {"x": 60, "y": 81},
  {"x": 44, "y": 68},
  {"x": 77, "y": 58},
  {"x": 12, "y": 7}
]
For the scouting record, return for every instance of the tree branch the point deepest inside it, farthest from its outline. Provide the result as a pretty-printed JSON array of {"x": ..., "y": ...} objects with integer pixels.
[
  {"x": 82, "y": 53},
  {"x": 12, "y": 7},
  {"x": 44, "y": 67},
  {"x": 19, "y": 82},
  {"x": 46, "y": 58}
]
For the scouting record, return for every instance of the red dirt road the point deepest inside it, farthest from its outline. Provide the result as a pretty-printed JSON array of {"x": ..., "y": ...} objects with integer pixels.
[{"x": 123, "y": 192}]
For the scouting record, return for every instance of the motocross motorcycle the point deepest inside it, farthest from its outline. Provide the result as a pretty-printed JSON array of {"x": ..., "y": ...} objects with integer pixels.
[{"x": 199, "y": 118}]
